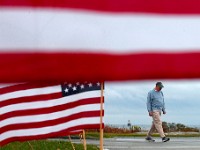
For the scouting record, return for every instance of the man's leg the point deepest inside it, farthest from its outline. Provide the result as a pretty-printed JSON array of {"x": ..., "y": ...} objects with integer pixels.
[
  {"x": 158, "y": 126},
  {"x": 149, "y": 134},
  {"x": 152, "y": 129},
  {"x": 158, "y": 123}
]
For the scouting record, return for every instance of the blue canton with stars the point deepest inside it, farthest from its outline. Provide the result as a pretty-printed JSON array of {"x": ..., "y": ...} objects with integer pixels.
[{"x": 74, "y": 88}]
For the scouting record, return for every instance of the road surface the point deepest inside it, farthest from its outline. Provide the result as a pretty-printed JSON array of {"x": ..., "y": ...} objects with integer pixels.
[{"x": 141, "y": 144}]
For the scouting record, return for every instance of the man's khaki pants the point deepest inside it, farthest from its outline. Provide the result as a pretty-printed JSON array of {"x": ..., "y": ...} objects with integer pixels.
[{"x": 156, "y": 124}]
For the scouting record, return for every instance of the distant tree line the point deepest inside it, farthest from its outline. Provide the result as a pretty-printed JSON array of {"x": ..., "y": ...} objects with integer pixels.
[{"x": 173, "y": 127}]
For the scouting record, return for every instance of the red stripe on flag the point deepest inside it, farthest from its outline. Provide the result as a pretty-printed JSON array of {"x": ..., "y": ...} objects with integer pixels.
[
  {"x": 49, "y": 123},
  {"x": 98, "y": 66},
  {"x": 25, "y": 86},
  {"x": 35, "y": 98},
  {"x": 48, "y": 110},
  {"x": 149, "y": 6},
  {"x": 54, "y": 134}
]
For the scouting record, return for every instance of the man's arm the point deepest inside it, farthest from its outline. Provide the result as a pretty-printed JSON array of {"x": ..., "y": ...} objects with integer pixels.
[
  {"x": 149, "y": 106},
  {"x": 164, "y": 111}
]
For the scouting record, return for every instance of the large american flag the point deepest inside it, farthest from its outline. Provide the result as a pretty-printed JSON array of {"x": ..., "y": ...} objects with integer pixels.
[
  {"x": 49, "y": 40},
  {"x": 99, "y": 39},
  {"x": 40, "y": 110}
]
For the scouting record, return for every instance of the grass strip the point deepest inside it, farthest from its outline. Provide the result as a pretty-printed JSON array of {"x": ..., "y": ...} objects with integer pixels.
[{"x": 45, "y": 145}]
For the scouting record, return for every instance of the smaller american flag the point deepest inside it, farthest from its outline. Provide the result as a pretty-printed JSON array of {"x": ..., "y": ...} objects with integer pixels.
[{"x": 32, "y": 111}]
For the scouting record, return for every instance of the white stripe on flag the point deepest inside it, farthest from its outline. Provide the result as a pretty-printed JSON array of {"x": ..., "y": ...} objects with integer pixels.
[
  {"x": 50, "y": 116},
  {"x": 31, "y": 92},
  {"x": 7, "y": 85},
  {"x": 49, "y": 129},
  {"x": 50, "y": 29},
  {"x": 49, "y": 103}
]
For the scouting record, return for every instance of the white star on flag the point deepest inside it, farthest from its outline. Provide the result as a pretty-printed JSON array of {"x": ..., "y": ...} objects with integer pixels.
[
  {"x": 66, "y": 90},
  {"x": 74, "y": 88},
  {"x": 82, "y": 86}
]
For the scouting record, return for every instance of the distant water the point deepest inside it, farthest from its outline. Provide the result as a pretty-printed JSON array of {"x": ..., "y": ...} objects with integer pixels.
[
  {"x": 143, "y": 126},
  {"x": 195, "y": 126}
]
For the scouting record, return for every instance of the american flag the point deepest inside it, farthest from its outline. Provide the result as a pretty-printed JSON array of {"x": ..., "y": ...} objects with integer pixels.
[
  {"x": 41, "y": 110},
  {"x": 99, "y": 39}
]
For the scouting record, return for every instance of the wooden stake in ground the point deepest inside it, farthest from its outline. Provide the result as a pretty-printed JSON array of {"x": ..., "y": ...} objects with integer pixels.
[
  {"x": 30, "y": 145},
  {"x": 71, "y": 142},
  {"x": 101, "y": 117},
  {"x": 84, "y": 141}
]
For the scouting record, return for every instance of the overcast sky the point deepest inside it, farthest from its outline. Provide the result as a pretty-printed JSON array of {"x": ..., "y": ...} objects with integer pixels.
[{"x": 127, "y": 101}]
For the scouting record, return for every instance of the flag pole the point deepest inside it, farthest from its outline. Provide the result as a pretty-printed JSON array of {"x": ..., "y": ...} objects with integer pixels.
[{"x": 101, "y": 117}]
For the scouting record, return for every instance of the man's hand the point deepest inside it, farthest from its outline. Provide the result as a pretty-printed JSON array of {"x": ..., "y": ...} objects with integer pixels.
[
  {"x": 164, "y": 112},
  {"x": 150, "y": 113}
]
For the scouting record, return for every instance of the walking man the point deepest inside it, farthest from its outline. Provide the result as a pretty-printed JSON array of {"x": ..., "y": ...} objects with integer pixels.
[{"x": 155, "y": 106}]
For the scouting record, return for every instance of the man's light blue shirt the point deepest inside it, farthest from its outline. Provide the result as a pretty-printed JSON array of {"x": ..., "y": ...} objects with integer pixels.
[{"x": 155, "y": 101}]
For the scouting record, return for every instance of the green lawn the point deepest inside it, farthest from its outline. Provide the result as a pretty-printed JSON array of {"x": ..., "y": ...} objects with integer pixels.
[{"x": 45, "y": 145}]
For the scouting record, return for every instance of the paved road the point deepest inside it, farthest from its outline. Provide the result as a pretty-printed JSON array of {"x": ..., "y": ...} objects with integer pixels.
[{"x": 141, "y": 144}]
